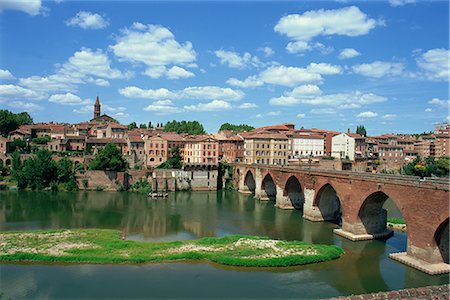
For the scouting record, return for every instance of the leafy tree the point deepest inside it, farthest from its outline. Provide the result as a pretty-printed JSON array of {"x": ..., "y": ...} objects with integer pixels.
[
  {"x": 238, "y": 128},
  {"x": 109, "y": 158},
  {"x": 64, "y": 169},
  {"x": 150, "y": 125},
  {"x": 16, "y": 165},
  {"x": 428, "y": 167},
  {"x": 132, "y": 125},
  {"x": 174, "y": 162},
  {"x": 38, "y": 172},
  {"x": 19, "y": 145},
  {"x": 10, "y": 121},
  {"x": 143, "y": 126},
  {"x": 41, "y": 140},
  {"x": 190, "y": 127},
  {"x": 361, "y": 130}
]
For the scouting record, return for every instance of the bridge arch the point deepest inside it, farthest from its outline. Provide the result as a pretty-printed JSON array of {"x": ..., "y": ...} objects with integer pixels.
[
  {"x": 294, "y": 192},
  {"x": 249, "y": 181},
  {"x": 441, "y": 238},
  {"x": 328, "y": 203},
  {"x": 268, "y": 188}
]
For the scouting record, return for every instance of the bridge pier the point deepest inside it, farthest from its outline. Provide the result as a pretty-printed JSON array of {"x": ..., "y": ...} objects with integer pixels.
[{"x": 282, "y": 201}]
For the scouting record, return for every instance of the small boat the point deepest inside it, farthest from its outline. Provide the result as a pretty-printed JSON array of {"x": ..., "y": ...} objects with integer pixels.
[{"x": 158, "y": 195}]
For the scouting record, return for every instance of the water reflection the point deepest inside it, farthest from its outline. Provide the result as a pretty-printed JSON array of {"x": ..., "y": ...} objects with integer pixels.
[{"x": 365, "y": 266}]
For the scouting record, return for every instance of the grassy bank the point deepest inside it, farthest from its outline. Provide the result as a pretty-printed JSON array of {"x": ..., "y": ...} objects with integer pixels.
[
  {"x": 105, "y": 246},
  {"x": 399, "y": 221}
]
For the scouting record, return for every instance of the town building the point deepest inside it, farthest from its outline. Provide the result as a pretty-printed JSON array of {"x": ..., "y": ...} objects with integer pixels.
[
  {"x": 307, "y": 145},
  {"x": 266, "y": 148},
  {"x": 349, "y": 146}
]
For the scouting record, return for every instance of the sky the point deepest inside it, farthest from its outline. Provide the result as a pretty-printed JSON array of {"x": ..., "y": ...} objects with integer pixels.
[{"x": 322, "y": 64}]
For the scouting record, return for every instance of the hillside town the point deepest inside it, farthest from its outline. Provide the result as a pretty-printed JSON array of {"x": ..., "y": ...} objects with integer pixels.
[{"x": 282, "y": 144}]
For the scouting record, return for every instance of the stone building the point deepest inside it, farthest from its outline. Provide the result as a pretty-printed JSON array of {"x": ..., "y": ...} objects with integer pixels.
[{"x": 264, "y": 147}]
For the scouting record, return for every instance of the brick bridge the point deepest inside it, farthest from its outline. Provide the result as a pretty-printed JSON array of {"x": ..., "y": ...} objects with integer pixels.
[{"x": 357, "y": 199}]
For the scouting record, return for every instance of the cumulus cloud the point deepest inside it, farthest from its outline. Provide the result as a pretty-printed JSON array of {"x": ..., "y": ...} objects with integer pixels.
[
  {"x": 235, "y": 60},
  {"x": 439, "y": 102},
  {"x": 87, "y": 20},
  {"x": 6, "y": 75},
  {"x": 269, "y": 114},
  {"x": 379, "y": 69},
  {"x": 26, "y": 106},
  {"x": 267, "y": 51},
  {"x": 173, "y": 73},
  {"x": 162, "y": 107},
  {"x": 14, "y": 92},
  {"x": 31, "y": 7},
  {"x": 301, "y": 115},
  {"x": 389, "y": 116},
  {"x": 195, "y": 92},
  {"x": 323, "y": 111},
  {"x": 299, "y": 47},
  {"x": 312, "y": 95},
  {"x": 428, "y": 109},
  {"x": 348, "y": 53},
  {"x": 435, "y": 64},
  {"x": 68, "y": 99},
  {"x": 248, "y": 105},
  {"x": 348, "y": 21},
  {"x": 215, "y": 105},
  {"x": 401, "y": 2},
  {"x": 367, "y": 114},
  {"x": 153, "y": 46}
]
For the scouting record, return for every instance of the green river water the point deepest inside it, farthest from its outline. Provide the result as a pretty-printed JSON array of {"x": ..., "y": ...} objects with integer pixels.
[{"x": 365, "y": 267}]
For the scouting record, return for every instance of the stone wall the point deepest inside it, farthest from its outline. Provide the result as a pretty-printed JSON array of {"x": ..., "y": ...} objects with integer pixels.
[
  {"x": 101, "y": 180},
  {"x": 174, "y": 180}
]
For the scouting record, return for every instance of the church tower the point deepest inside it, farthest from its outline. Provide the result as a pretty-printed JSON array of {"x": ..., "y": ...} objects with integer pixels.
[{"x": 97, "y": 108}]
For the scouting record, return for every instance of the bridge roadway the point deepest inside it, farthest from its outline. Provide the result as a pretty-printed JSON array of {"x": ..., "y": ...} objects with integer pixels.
[{"x": 358, "y": 198}]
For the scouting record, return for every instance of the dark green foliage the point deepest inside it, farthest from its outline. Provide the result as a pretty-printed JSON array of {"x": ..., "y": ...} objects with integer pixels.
[
  {"x": 107, "y": 247},
  {"x": 65, "y": 169},
  {"x": 361, "y": 130},
  {"x": 141, "y": 186},
  {"x": 10, "y": 121},
  {"x": 396, "y": 220},
  {"x": 428, "y": 167},
  {"x": 18, "y": 145},
  {"x": 144, "y": 126},
  {"x": 190, "y": 127},
  {"x": 132, "y": 125},
  {"x": 109, "y": 159},
  {"x": 237, "y": 128},
  {"x": 41, "y": 140},
  {"x": 174, "y": 162},
  {"x": 150, "y": 125}
]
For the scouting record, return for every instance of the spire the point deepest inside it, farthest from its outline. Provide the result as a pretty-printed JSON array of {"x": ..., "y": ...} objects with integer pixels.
[
  {"x": 97, "y": 101},
  {"x": 97, "y": 108}
]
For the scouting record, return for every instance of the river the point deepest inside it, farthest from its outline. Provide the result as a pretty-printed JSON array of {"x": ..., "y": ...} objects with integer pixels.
[{"x": 365, "y": 267}]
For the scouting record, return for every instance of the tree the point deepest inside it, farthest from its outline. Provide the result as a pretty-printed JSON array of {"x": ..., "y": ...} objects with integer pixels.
[
  {"x": 238, "y": 128},
  {"x": 190, "y": 127},
  {"x": 64, "y": 169},
  {"x": 10, "y": 121},
  {"x": 19, "y": 145},
  {"x": 38, "y": 172},
  {"x": 132, "y": 125},
  {"x": 143, "y": 126},
  {"x": 361, "y": 130},
  {"x": 149, "y": 125},
  {"x": 109, "y": 159},
  {"x": 174, "y": 162}
]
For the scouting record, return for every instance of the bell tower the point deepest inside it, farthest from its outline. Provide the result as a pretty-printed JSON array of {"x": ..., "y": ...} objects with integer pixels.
[{"x": 97, "y": 108}]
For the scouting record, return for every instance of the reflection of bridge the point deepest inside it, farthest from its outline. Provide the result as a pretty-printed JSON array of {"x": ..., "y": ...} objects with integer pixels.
[{"x": 359, "y": 197}]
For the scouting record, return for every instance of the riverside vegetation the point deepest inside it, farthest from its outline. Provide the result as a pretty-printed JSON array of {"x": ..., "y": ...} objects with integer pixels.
[{"x": 106, "y": 246}]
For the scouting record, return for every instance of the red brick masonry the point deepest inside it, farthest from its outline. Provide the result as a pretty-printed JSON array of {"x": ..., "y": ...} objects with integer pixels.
[{"x": 436, "y": 292}]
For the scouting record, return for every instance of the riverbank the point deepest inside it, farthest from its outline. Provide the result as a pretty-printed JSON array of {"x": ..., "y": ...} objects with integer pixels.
[{"x": 107, "y": 246}]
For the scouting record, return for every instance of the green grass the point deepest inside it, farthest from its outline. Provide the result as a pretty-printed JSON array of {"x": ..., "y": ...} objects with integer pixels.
[
  {"x": 105, "y": 246},
  {"x": 396, "y": 221}
]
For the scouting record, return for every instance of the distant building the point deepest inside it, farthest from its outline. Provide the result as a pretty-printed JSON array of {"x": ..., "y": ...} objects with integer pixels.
[
  {"x": 266, "y": 148},
  {"x": 98, "y": 117}
]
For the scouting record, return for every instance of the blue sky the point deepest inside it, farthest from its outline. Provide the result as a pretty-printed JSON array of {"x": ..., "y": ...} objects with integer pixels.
[{"x": 324, "y": 64}]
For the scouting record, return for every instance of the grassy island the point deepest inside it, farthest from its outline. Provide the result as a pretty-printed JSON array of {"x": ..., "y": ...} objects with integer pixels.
[{"x": 106, "y": 246}]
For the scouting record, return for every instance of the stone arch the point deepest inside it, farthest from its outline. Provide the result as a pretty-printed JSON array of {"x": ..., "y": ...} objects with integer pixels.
[
  {"x": 373, "y": 216},
  {"x": 268, "y": 188},
  {"x": 249, "y": 181},
  {"x": 441, "y": 237},
  {"x": 294, "y": 192},
  {"x": 328, "y": 203}
]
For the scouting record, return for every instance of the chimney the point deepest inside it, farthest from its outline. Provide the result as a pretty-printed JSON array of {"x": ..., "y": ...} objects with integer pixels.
[{"x": 348, "y": 130}]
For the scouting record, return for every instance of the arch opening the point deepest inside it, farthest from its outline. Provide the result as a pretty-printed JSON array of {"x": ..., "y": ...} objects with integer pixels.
[
  {"x": 249, "y": 182},
  {"x": 268, "y": 186},
  {"x": 8, "y": 162},
  {"x": 293, "y": 190},
  {"x": 329, "y": 205},
  {"x": 441, "y": 238}
]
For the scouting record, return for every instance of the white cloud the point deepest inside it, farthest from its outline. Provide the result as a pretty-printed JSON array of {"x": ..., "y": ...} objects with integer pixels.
[
  {"x": 251, "y": 81},
  {"x": 10, "y": 92},
  {"x": 6, "y": 75},
  {"x": 195, "y": 92},
  {"x": 301, "y": 115},
  {"x": 323, "y": 111},
  {"x": 87, "y": 20},
  {"x": 269, "y": 114},
  {"x": 234, "y": 60},
  {"x": 324, "y": 69},
  {"x": 379, "y": 69},
  {"x": 267, "y": 51},
  {"x": 348, "y": 53},
  {"x": 176, "y": 72},
  {"x": 367, "y": 114},
  {"x": 435, "y": 64},
  {"x": 248, "y": 105},
  {"x": 83, "y": 110},
  {"x": 215, "y": 105},
  {"x": 348, "y": 21},
  {"x": 389, "y": 116},
  {"x": 439, "y": 102},
  {"x": 428, "y": 109},
  {"x": 163, "y": 107},
  {"x": 312, "y": 95},
  {"x": 152, "y": 45},
  {"x": 298, "y": 47},
  {"x": 68, "y": 99},
  {"x": 401, "y": 2},
  {"x": 26, "y": 106},
  {"x": 31, "y": 7}
]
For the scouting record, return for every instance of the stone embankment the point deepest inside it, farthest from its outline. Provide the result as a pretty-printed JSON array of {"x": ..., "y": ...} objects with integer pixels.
[{"x": 438, "y": 292}]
